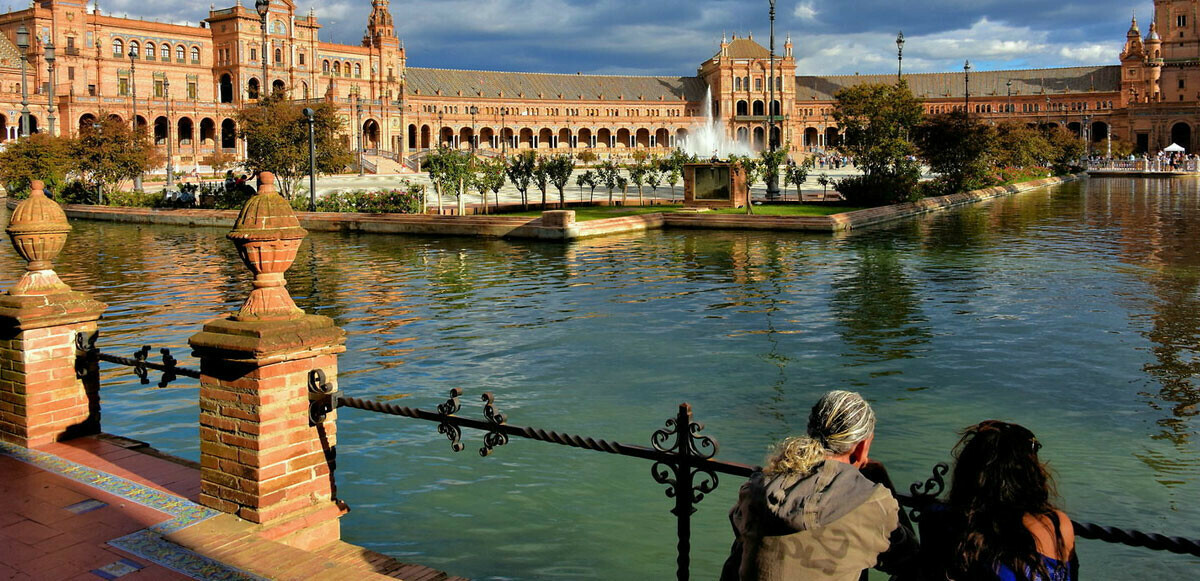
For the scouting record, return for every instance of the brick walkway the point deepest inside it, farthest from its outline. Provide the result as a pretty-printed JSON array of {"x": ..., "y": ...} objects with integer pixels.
[{"x": 108, "y": 508}]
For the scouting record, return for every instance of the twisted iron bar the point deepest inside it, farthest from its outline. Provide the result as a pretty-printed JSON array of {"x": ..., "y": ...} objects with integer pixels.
[
  {"x": 922, "y": 494},
  {"x": 86, "y": 342}
]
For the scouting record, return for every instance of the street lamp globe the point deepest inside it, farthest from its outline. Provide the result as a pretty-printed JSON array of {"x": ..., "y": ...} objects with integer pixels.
[
  {"x": 262, "y": 6},
  {"x": 23, "y": 38},
  {"x": 49, "y": 52}
]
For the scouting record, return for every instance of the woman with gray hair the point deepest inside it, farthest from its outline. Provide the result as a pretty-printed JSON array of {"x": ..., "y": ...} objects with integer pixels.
[{"x": 821, "y": 508}]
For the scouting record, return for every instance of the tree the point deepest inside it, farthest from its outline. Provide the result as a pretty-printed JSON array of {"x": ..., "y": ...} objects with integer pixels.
[
  {"x": 276, "y": 134},
  {"x": 560, "y": 168},
  {"x": 1066, "y": 149},
  {"x": 654, "y": 174},
  {"x": 587, "y": 156},
  {"x": 541, "y": 177},
  {"x": 112, "y": 154},
  {"x": 673, "y": 167},
  {"x": 770, "y": 161},
  {"x": 219, "y": 161},
  {"x": 40, "y": 156},
  {"x": 587, "y": 178},
  {"x": 450, "y": 171},
  {"x": 520, "y": 173},
  {"x": 797, "y": 174},
  {"x": 610, "y": 175},
  {"x": 637, "y": 175},
  {"x": 1016, "y": 145},
  {"x": 490, "y": 177},
  {"x": 876, "y": 121},
  {"x": 753, "y": 171},
  {"x": 957, "y": 147}
]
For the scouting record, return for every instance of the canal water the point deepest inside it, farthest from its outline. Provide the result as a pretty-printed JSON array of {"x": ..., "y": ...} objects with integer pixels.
[{"x": 1073, "y": 310}]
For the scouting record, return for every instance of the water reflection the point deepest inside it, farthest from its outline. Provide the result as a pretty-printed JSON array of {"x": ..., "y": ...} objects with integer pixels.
[
  {"x": 1073, "y": 310},
  {"x": 877, "y": 307}
]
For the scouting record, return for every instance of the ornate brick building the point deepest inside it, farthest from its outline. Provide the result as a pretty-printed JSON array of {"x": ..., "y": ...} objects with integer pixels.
[{"x": 189, "y": 82}]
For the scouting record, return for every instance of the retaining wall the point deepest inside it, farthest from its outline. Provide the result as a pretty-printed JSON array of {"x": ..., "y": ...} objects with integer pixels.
[{"x": 533, "y": 228}]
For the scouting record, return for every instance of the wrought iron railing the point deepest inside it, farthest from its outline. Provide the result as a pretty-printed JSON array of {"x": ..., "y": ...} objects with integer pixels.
[
  {"x": 1145, "y": 165},
  {"x": 683, "y": 460},
  {"x": 85, "y": 343}
]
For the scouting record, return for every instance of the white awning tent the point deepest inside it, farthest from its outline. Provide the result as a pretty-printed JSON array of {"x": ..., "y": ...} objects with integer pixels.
[{"x": 1174, "y": 148}]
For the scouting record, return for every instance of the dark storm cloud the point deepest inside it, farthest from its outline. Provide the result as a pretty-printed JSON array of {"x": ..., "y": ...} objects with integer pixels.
[{"x": 672, "y": 37}]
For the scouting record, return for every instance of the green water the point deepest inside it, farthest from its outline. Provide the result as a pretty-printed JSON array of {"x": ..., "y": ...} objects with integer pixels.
[{"x": 1074, "y": 311}]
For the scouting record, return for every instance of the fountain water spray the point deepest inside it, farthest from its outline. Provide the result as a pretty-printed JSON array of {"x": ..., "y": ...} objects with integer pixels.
[{"x": 708, "y": 139}]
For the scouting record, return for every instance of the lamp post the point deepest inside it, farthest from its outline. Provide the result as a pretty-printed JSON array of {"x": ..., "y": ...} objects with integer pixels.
[
  {"x": 170, "y": 153},
  {"x": 439, "y": 135},
  {"x": 473, "y": 111},
  {"x": 312, "y": 160},
  {"x": 23, "y": 44},
  {"x": 49, "y": 56},
  {"x": 503, "y": 139},
  {"x": 900, "y": 57},
  {"x": 1010, "y": 105},
  {"x": 137, "y": 180},
  {"x": 98, "y": 128},
  {"x": 772, "y": 180},
  {"x": 263, "y": 7},
  {"x": 358, "y": 111},
  {"x": 967, "y": 87}
]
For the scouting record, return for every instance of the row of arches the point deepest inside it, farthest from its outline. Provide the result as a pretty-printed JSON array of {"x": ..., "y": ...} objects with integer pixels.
[
  {"x": 210, "y": 133},
  {"x": 164, "y": 50},
  {"x": 427, "y": 136},
  {"x": 335, "y": 68},
  {"x": 757, "y": 108},
  {"x": 225, "y": 88}
]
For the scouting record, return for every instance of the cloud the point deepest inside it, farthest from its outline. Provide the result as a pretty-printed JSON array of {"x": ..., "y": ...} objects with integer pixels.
[
  {"x": 805, "y": 11},
  {"x": 672, "y": 37}
]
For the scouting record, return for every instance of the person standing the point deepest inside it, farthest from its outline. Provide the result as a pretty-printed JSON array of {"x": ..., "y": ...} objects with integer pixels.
[{"x": 821, "y": 509}]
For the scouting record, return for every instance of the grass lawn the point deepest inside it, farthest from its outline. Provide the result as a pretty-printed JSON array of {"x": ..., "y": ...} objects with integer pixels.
[{"x": 602, "y": 212}]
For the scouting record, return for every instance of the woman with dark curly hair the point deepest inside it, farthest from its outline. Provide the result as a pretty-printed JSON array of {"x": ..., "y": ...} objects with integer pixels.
[{"x": 1001, "y": 522}]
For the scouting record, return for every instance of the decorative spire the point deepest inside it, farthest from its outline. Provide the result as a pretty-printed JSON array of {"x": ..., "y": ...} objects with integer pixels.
[
  {"x": 1152, "y": 36},
  {"x": 267, "y": 235},
  {"x": 38, "y": 229}
]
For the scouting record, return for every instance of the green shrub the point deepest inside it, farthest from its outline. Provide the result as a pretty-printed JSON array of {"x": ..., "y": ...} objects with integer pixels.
[
  {"x": 404, "y": 200},
  {"x": 78, "y": 192},
  {"x": 881, "y": 188},
  {"x": 135, "y": 199}
]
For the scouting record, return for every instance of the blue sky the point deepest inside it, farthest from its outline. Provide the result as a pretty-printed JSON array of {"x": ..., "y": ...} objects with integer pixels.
[{"x": 672, "y": 37}]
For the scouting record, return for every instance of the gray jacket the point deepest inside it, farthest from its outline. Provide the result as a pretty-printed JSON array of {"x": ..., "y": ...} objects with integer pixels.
[{"x": 831, "y": 525}]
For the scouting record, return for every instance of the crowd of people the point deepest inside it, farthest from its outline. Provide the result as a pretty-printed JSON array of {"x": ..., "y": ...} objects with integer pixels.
[{"x": 823, "y": 509}]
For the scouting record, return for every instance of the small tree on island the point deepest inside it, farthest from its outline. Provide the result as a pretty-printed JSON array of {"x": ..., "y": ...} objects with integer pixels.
[
  {"x": 637, "y": 175},
  {"x": 587, "y": 178},
  {"x": 560, "y": 168},
  {"x": 673, "y": 167},
  {"x": 796, "y": 174},
  {"x": 276, "y": 134},
  {"x": 654, "y": 174},
  {"x": 770, "y": 161},
  {"x": 541, "y": 177},
  {"x": 489, "y": 176},
  {"x": 520, "y": 173},
  {"x": 219, "y": 161},
  {"x": 587, "y": 156},
  {"x": 610, "y": 175}
]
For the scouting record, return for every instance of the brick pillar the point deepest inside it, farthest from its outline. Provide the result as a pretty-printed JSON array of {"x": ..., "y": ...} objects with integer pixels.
[
  {"x": 41, "y": 399},
  {"x": 260, "y": 459}
]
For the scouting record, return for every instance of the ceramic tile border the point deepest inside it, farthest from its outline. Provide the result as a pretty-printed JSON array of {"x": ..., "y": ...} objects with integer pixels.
[{"x": 146, "y": 543}]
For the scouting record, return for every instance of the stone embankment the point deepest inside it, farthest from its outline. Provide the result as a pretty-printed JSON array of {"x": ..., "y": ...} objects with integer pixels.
[{"x": 560, "y": 224}]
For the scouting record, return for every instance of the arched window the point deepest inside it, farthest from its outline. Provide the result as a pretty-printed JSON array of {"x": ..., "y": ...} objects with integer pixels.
[
  {"x": 337, "y": 68},
  {"x": 134, "y": 48},
  {"x": 746, "y": 83},
  {"x": 357, "y": 70},
  {"x": 279, "y": 28},
  {"x": 346, "y": 70},
  {"x": 278, "y": 56},
  {"x": 179, "y": 53},
  {"x": 737, "y": 84},
  {"x": 195, "y": 54},
  {"x": 165, "y": 52},
  {"x": 150, "y": 50},
  {"x": 118, "y": 48},
  {"x": 325, "y": 66}
]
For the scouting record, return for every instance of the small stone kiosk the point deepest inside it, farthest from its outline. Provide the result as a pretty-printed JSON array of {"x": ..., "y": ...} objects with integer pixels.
[{"x": 714, "y": 185}]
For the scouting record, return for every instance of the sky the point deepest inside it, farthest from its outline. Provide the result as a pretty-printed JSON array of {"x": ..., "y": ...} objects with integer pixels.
[{"x": 672, "y": 37}]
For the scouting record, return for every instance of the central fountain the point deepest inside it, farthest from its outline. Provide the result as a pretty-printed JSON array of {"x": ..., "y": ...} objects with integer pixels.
[{"x": 709, "y": 140}]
